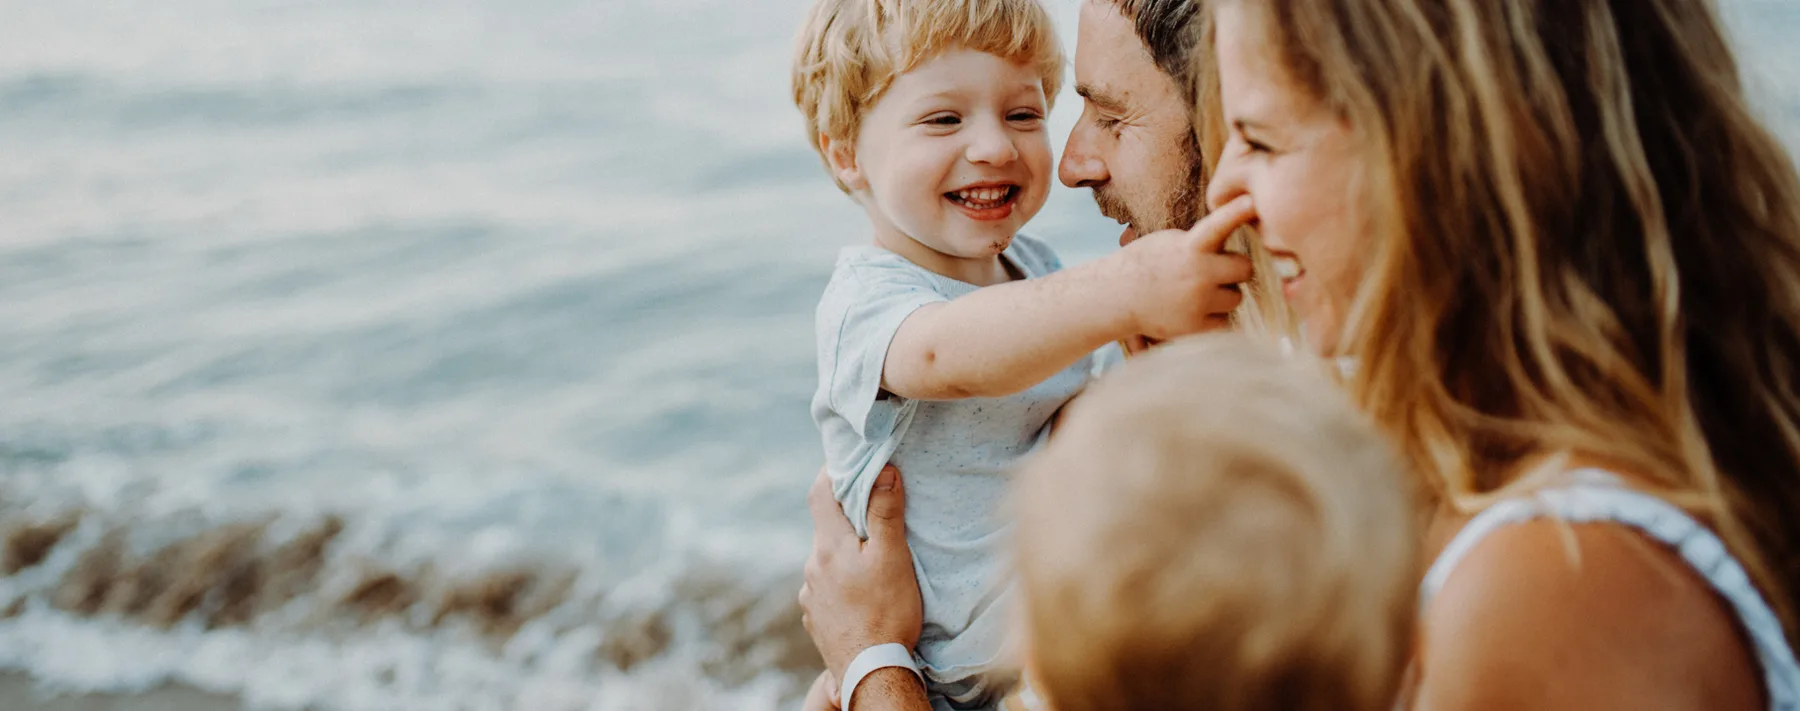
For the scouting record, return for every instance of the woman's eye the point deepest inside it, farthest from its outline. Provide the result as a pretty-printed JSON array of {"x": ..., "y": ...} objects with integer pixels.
[{"x": 1253, "y": 146}]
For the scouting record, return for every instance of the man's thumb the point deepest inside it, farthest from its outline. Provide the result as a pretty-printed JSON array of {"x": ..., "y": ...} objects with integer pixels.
[{"x": 887, "y": 505}]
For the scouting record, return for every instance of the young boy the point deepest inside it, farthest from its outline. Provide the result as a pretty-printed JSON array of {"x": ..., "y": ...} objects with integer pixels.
[
  {"x": 1215, "y": 527},
  {"x": 946, "y": 346}
]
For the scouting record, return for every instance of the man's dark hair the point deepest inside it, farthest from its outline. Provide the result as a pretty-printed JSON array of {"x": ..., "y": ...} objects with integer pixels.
[{"x": 1171, "y": 29}]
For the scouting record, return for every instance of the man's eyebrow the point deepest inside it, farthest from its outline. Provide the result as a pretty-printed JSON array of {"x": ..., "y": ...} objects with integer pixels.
[{"x": 1100, "y": 98}]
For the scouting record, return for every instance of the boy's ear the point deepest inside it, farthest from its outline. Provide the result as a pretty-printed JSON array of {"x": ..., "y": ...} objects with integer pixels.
[{"x": 841, "y": 155}]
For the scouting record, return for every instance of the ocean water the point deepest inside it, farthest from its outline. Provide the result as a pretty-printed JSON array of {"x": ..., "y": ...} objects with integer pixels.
[{"x": 394, "y": 354}]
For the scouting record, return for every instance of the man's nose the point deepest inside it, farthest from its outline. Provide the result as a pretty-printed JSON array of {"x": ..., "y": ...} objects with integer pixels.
[{"x": 1081, "y": 166}]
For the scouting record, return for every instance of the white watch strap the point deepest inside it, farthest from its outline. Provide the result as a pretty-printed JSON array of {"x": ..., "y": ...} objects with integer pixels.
[{"x": 876, "y": 657}]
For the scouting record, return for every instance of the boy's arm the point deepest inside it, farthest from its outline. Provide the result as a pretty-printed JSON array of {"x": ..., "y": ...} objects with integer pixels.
[{"x": 1006, "y": 338}]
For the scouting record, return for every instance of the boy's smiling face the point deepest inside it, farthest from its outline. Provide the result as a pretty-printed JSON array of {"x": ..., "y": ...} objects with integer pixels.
[{"x": 954, "y": 158}]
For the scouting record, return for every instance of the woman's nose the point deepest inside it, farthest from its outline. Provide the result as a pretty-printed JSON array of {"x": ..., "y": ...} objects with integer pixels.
[{"x": 1227, "y": 182}]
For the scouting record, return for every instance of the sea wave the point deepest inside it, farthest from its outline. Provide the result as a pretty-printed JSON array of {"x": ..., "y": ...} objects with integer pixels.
[{"x": 333, "y": 613}]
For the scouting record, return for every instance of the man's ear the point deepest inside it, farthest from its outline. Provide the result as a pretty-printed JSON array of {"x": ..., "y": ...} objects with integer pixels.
[{"x": 841, "y": 155}]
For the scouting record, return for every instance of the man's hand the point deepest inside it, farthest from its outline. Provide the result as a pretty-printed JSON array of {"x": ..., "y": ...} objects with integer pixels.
[
  {"x": 859, "y": 594},
  {"x": 1183, "y": 281},
  {"x": 823, "y": 694}
]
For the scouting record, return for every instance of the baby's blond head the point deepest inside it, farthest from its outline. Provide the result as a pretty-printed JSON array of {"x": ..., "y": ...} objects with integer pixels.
[
  {"x": 1215, "y": 527},
  {"x": 850, "y": 51}
]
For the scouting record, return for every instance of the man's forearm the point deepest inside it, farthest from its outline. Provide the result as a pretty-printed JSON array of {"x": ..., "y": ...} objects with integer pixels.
[{"x": 890, "y": 689}]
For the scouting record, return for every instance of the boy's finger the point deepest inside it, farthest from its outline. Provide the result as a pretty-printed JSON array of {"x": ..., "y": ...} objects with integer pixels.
[
  {"x": 1230, "y": 268},
  {"x": 1217, "y": 226},
  {"x": 1225, "y": 301}
]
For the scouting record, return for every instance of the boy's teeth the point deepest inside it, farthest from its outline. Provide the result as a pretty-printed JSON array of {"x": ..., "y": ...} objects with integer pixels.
[{"x": 982, "y": 194}]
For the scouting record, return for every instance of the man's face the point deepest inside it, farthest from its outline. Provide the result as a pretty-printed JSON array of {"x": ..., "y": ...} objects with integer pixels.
[{"x": 1134, "y": 145}]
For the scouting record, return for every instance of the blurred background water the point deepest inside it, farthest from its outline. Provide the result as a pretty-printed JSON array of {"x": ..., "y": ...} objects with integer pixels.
[{"x": 388, "y": 354}]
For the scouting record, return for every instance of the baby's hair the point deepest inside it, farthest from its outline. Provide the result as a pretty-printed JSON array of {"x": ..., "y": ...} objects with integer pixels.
[
  {"x": 850, "y": 51},
  {"x": 1215, "y": 526}
]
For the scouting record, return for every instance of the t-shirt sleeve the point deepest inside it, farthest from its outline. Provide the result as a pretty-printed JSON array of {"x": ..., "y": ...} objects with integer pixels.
[
  {"x": 858, "y": 316},
  {"x": 1108, "y": 357},
  {"x": 1035, "y": 256}
]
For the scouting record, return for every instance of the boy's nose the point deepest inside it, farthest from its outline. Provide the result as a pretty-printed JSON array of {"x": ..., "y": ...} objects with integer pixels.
[{"x": 992, "y": 146}]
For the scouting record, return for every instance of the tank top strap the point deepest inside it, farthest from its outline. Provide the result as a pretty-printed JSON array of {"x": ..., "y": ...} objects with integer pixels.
[{"x": 1595, "y": 496}]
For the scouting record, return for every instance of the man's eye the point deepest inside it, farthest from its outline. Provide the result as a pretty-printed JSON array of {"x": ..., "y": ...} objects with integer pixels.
[
  {"x": 1106, "y": 122},
  {"x": 1255, "y": 147}
]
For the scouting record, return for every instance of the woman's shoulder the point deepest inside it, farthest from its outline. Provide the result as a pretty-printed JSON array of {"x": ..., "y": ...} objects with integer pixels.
[{"x": 1548, "y": 613}]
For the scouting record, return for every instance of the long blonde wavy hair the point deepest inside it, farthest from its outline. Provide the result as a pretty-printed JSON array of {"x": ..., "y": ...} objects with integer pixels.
[{"x": 1588, "y": 245}]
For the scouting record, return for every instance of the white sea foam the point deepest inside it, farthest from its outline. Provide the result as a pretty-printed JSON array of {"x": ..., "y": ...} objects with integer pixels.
[{"x": 709, "y": 625}]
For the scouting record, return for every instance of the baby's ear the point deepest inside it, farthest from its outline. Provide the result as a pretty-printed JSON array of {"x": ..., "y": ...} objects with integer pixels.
[{"x": 841, "y": 155}]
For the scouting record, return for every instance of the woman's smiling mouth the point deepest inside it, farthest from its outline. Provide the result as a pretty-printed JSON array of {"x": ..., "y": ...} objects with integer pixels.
[
  {"x": 987, "y": 202},
  {"x": 1288, "y": 270}
]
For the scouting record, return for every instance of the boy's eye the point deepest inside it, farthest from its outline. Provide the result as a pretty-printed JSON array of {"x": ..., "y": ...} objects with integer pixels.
[
  {"x": 1024, "y": 116},
  {"x": 944, "y": 120}
]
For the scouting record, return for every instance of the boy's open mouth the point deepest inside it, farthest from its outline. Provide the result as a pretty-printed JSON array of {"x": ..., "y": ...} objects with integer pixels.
[{"x": 985, "y": 202}]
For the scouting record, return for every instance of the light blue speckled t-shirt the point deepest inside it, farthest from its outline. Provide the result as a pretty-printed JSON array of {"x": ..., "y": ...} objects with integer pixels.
[{"x": 955, "y": 455}]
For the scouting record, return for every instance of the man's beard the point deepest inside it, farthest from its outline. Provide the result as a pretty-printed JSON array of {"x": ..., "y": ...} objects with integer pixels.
[{"x": 1181, "y": 207}]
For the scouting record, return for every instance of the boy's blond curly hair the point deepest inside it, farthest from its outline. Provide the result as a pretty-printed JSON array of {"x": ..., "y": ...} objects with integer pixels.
[{"x": 850, "y": 51}]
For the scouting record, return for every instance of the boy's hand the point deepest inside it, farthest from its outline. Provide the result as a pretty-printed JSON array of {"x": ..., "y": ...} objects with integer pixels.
[{"x": 1180, "y": 282}]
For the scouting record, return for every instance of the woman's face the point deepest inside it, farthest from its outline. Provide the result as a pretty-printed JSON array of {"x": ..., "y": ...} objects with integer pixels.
[{"x": 1297, "y": 161}]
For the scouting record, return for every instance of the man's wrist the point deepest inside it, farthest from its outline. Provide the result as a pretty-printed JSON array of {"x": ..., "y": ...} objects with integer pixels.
[
  {"x": 872, "y": 659},
  {"x": 889, "y": 689}
]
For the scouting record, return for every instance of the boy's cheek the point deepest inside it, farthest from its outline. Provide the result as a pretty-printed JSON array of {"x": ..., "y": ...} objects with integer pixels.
[
  {"x": 1043, "y": 168},
  {"x": 1039, "y": 149}
]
